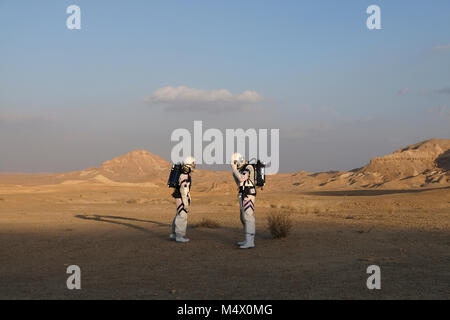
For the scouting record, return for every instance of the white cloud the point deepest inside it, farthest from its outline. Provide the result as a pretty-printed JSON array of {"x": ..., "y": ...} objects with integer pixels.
[
  {"x": 250, "y": 97},
  {"x": 191, "y": 99}
]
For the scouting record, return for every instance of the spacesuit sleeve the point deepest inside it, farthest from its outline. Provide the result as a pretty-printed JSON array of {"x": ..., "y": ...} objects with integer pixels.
[
  {"x": 184, "y": 190},
  {"x": 241, "y": 177}
]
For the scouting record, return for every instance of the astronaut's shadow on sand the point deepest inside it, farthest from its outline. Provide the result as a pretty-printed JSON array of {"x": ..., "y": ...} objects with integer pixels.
[
  {"x": 125, "y": 221},
  {"x": 122, "y": 221}
]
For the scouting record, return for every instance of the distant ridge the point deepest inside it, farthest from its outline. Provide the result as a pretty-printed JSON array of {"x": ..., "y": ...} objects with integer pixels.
[{"x": 422, "y": 165}]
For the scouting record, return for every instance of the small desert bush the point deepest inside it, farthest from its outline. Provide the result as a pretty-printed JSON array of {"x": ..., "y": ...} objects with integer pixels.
[
  {"x": 206, "y": 223},
  {"x": 279, "y": 224}
]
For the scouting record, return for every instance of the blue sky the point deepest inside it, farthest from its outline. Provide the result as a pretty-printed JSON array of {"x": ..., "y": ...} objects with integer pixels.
[{"x": 340, "y": 93}]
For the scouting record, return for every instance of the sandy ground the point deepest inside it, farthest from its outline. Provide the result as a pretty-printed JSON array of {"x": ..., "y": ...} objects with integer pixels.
[{"x": 119, "y": 237}]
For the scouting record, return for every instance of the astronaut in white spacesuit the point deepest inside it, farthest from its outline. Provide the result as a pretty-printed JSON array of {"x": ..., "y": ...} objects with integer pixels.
[
  {"x": 244, "y": 176},
  {"x": 182, "y": 201}
]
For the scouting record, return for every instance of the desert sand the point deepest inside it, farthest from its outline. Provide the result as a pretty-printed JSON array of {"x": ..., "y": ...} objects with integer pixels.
[{"x": 113, "y": 221}]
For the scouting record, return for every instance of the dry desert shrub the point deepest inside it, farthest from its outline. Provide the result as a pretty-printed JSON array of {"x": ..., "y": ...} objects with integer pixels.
[
  {"x": 206, "y": 223},
  {"x": 279, "y": 224}
]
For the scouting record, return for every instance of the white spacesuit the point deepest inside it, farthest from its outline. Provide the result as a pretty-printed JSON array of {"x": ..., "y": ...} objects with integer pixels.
[
  {"x": 244, "y": 177},
  {"x": 182, "y": 201}
]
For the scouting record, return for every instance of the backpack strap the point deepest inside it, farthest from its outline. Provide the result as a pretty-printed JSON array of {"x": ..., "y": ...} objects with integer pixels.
[
  {"x": 246, "y": 169},
  {"x": 245, "y": 190}
]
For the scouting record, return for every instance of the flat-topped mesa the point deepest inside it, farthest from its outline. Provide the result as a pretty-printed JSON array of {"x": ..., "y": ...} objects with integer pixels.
[
  {"x": 409, "y": 161},
  {"x": 424, "y": 164}
]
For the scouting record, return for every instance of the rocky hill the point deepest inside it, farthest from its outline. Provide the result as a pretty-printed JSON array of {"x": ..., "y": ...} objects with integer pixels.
[
  {"x": 139, "y": 166},
  {"x": 425, "y": 164}
]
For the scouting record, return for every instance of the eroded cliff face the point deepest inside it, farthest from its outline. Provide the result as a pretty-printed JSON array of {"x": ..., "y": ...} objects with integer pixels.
[
  {"x": 425, "y": 164},
  {"x": 410, "y": 161}
]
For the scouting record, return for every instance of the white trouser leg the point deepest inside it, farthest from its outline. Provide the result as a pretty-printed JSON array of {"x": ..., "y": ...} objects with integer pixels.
[
  {"x": 179, "y": 223},
  {"x": 247, "y": 217},
  {"x": 241, "y": 209}
]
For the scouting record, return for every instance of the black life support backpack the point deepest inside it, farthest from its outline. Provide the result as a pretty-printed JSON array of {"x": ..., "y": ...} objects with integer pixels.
[
  {"x": 174, "y": 176},
  {"x": 260, "y": 173}
]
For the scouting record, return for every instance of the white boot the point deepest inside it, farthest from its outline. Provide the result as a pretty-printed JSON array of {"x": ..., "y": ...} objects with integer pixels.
[
  {"x": 241, "y": 243},
  {"x": 182, "y": 239},
  {"x": 249, "y": 241},
  {"x": 172, "y": 236}
]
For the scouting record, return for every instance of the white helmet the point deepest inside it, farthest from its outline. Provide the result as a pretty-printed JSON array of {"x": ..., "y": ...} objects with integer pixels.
[
  {"x": 238, "y": 159},
  {"x": 189, "y": 162}
]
